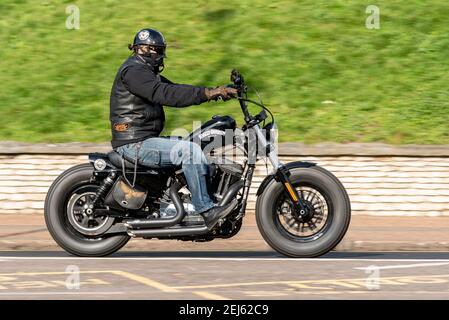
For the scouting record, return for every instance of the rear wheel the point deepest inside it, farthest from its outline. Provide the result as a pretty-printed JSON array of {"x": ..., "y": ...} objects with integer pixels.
[
  {"x": 69, "y": 219},
  {"x": 327, "y": 216}
]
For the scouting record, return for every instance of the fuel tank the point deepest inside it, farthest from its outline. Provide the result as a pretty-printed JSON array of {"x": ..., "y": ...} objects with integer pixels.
[{"x": 216, "y": 132}]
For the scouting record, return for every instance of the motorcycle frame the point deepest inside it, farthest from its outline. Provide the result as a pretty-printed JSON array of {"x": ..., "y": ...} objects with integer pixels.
[{"x": 281, "y": 172}]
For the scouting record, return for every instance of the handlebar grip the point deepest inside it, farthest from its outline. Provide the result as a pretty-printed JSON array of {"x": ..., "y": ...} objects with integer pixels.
[{"x": 236, "y": 77}]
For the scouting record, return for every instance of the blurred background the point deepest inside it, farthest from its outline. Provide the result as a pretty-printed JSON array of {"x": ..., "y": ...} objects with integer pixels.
[
  {"x": 325, "y": 75},
  {"x": 368, "y": 104}
]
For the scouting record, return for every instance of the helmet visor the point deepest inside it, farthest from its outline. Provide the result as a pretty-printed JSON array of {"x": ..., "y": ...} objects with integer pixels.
[{"x": 158, "y": 49}]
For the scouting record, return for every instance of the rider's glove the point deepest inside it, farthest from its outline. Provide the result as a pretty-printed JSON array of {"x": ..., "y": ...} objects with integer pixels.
[{"x": 222, "y": 92}]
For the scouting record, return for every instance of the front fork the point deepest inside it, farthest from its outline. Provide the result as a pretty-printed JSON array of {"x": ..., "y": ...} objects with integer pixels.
[{"x": 282, "y": 174}]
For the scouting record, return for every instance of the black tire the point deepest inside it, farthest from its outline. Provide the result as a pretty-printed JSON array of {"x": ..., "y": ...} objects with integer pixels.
[
  {"x": 333, "y": 230},
  {"x": 63, "y": 233}
]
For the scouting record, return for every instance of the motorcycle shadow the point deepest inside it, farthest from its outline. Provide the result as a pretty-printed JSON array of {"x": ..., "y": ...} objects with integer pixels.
[
  {"x": 199, "y": 254},
  {"x": 238, "y": 254},
  {"x": 333, "y": 255}
]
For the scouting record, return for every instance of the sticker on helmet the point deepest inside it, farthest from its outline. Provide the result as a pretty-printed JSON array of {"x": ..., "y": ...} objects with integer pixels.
[{"x": 144, "y": 34}]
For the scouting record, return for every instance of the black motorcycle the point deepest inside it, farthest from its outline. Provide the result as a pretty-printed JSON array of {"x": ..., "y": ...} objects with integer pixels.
[{"x": 302, "y": 210}]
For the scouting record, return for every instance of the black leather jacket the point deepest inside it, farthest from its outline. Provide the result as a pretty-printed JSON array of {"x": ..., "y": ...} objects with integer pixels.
[{"x": 137, "y": 97}]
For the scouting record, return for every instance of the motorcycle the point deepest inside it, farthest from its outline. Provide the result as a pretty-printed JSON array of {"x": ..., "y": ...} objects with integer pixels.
[{"x": 302, "y": 210}]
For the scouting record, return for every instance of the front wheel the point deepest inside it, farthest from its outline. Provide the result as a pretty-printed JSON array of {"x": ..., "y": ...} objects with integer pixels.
[{"x": 328, "y": 213}]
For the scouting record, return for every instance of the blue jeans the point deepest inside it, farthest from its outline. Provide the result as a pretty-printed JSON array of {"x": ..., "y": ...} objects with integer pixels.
[{"x": 165, "y": 152}]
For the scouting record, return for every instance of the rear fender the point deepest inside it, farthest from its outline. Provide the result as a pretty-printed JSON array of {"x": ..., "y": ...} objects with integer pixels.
[{"x": 97, "y": 156}]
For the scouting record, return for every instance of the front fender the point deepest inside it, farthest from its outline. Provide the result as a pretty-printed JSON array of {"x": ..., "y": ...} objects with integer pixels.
[{"x": 290, "y": 165}]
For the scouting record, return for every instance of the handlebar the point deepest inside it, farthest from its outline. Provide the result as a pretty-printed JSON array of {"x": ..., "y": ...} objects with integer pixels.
[{"x": 239, "y": 83}]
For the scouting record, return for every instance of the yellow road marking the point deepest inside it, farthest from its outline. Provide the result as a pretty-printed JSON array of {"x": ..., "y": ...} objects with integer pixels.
[
  {"x": 210, "y": 296},
  {"x": 146, "y": 281},
  {"x": 306, "y": 286},
  {"x": 52, "y": 273},
  {"x": 271, "y": 294},
  {"x": 354, "y": 283},
  {"x": 347, "y": 282},
  {"x": 371, "y": 292},
  {"x": 141, "y": 279}
]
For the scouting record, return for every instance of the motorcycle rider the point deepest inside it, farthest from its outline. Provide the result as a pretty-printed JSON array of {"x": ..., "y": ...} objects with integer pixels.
[{"x": 137, "y": 118}]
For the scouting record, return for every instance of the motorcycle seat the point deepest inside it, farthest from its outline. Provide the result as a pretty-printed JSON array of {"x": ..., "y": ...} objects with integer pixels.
[{"x": 116, "y": 160}]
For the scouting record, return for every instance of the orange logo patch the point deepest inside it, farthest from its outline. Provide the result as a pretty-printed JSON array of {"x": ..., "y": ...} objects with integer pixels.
[{"x": 121, "y": 127}]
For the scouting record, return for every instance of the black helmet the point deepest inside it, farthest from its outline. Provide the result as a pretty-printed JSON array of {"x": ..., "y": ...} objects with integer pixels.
[
  {"x": 156, "y": 41},
  {"x": 149, "y": 37}
]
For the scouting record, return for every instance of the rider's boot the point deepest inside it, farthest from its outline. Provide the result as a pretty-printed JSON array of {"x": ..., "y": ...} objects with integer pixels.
[{"x": 213, "y": 215}]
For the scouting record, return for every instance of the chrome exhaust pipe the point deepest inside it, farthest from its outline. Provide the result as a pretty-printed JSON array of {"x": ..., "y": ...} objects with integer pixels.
[
  {"x": 162, "y": 223},
  {"x": 140, "y": 226},
  {"x": 169, "y": 232}
]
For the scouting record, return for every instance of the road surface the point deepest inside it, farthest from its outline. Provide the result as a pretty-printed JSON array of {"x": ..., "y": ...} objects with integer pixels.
[{"x": 224, "y": 275}]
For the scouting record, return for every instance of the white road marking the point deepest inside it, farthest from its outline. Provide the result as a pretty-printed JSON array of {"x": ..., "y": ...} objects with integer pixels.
[
  {"x": 222, "y": 259},
  {"x": 403, "y": 266}
]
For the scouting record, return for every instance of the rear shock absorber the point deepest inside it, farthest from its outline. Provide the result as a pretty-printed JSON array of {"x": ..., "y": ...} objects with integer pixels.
[{"x": 104, "y": 187}]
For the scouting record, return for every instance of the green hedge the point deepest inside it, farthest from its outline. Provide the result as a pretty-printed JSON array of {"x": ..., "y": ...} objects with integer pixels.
[{"x": 325, "y": 76}]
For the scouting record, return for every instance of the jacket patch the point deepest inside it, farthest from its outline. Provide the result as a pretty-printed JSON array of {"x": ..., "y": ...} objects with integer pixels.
[{"x": 120, "y": 127}]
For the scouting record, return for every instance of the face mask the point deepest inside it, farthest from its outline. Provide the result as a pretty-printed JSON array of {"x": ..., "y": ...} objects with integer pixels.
[{"x": 156, "y": 60}]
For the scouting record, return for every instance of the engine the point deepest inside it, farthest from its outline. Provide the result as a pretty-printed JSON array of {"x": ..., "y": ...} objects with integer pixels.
[{"x": 225, "y": 174}]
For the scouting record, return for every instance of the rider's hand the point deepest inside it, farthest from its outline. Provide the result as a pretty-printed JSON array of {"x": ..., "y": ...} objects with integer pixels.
[{"x": 221, "y": 92}]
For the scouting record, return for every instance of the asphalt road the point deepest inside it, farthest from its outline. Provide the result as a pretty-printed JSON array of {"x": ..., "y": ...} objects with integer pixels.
[{"x": 224, "y": 275}]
